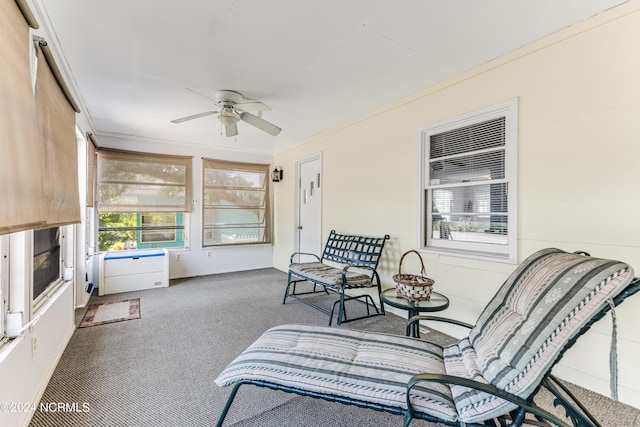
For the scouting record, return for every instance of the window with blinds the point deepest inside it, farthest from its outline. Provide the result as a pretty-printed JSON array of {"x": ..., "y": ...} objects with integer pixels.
[
  {"x": 142, "y": 200},
  {"x": 469, "y": 183},
  {"x": 236, "y": 203}
]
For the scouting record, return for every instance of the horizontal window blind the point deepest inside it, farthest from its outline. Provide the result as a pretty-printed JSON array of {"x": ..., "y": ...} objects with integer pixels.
[
  {"x": 475, "y": 137},
  {"x": 141, "y": 182},
  {"x": 479, "y": 166}
]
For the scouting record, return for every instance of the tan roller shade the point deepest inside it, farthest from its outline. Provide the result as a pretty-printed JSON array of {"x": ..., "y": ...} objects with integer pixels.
[
  {"x": 56, "y": 123},
  {"x": 142, "y": 182},
  {"x": 235, "y": 205},
  {"x": 21, "y": 178},
  {"x": 91, "y": 170}
]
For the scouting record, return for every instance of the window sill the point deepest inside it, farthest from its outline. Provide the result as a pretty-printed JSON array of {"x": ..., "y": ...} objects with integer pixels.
[
  {"x": 482, "y": 256},
  {"x": 7, "y": 345},
  {"x": 236, "y": 245},
  {"x": 48, "y": 295}
]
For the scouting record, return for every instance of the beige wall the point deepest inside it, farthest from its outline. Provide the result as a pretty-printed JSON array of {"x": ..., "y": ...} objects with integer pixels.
[{"x": 579, "y": 128}]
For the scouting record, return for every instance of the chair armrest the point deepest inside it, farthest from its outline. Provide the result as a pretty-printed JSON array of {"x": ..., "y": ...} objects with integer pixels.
[
  {"x": 302, "y": 253},
  {"x": 487, "y": 388},
  {"x": 417, "y": 318},
  {"x": 374, "y": 273},
  {"x": 363, "y": 267}
]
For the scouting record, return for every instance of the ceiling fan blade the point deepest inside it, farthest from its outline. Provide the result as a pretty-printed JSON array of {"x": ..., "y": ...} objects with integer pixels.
[
  {"x": 231, "y": 130},
  {"x": 194, "y": 116},
  {"x": 197, "y": 92},
  {"x": 252, "y": 106},
  {"x": 261, "y": 124}
]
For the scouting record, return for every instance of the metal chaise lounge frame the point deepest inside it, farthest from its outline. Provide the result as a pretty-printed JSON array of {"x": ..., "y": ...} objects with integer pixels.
[
  {"x": 355, "y": 260},
  {"x": 489, "y": 378}
]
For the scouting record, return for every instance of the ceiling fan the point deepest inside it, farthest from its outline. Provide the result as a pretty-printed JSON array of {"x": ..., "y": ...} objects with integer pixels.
[{"x": 233, "y": 107}]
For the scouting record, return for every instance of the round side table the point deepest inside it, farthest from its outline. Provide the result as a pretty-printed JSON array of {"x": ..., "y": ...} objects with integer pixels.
[{"x": 437, "y": 302}]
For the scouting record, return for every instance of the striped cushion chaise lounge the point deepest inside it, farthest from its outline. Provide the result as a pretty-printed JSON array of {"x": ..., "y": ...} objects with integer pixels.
[{"x": 494, "y": 373}]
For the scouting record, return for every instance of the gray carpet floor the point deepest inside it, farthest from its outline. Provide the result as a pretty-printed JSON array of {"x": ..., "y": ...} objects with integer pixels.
[{"x": 159, "y": 370}]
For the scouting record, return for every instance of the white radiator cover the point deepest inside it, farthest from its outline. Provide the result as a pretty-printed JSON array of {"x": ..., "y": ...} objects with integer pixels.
[{"x": 126, "y": 271}]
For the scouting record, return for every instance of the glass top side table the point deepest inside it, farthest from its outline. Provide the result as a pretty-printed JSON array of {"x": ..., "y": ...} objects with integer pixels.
[{"x": 437, "y": 302}]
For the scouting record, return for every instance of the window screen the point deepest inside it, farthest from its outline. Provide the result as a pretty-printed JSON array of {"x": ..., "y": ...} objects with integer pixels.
[{"x": 46, "y": 259}]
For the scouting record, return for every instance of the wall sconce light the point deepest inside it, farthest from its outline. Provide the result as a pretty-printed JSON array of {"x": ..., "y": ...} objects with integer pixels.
[{"x": 276, "y": 174}]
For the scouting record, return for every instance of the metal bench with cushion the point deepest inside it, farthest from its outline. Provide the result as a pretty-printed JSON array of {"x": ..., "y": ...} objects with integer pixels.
[
  {"x": 353, "y": 259},
  {"x": 488, "y": 378}
]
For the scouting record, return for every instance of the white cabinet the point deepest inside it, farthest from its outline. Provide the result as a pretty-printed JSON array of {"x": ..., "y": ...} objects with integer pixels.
[{"x": 126, "y": 271}]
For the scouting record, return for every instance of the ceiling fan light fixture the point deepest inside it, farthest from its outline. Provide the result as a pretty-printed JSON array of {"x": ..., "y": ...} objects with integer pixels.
[
  {"x": 228, "y": 119},
  {"x": 233, "y": 108}
]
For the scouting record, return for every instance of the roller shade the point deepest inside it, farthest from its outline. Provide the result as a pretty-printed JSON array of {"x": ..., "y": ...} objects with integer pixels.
[
  {"x": 235, "y": 203},
  {"x": 91, "y": 169},
  {"x": 27, "y": 14},
  {"x": 143, "y": 182},
  {"x": 57, "y": 126},
  {"x": 22, "y": 205}
]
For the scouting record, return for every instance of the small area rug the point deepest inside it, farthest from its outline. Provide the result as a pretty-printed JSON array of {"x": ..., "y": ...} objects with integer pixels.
[{"x": 111, "y": 312}]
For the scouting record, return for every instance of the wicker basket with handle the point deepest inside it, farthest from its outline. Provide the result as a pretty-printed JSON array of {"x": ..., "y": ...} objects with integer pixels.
[{"x": 412, "y": 286}]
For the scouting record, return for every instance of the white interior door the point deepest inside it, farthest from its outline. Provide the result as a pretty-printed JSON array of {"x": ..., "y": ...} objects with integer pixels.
[{"x": 309, "y": 195}]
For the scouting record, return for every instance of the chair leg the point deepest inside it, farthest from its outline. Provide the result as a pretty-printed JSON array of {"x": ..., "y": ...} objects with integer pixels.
[
  {"x": 574, "y": 409},
  {"x": 286, "y": 290},
  {"x": 341, "y": 309},
  {"x": 225, "y": 410},
  {"x": 517, "y": 417},
  {"x": 380, "y": 297},
  {"x": 407, "y": 419}
]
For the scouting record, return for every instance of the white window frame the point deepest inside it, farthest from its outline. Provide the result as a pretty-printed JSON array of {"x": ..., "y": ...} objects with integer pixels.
[
  {"x": 144, "y": 233},
  {"x": 4, "y": 282},
  {"x": 502, "y": 253},
  {"x": 16, "y": 277}
]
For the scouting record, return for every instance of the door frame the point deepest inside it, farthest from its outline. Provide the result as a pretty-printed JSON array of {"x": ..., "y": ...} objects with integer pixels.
[{"x": 298, "y": 196}]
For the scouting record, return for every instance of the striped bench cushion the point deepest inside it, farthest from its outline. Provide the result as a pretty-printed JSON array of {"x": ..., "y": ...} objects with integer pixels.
[
  {"x": 369, "y": 367},
  {"x": 329, "y": 276},
  {"x": 519, "y": 335}
]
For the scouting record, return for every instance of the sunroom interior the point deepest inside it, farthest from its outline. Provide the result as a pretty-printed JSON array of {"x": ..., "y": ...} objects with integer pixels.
[{"x": 359, "y": 104}]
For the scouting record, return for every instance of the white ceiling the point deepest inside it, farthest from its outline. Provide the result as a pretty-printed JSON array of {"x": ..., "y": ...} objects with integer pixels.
[{"x": 137, "y": 64}]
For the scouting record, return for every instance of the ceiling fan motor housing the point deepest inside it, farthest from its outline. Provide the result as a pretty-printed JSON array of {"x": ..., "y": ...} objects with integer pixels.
[{"x": 228, "y": 97}]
